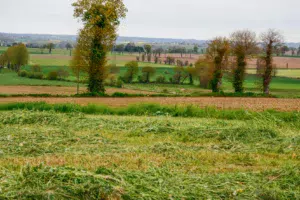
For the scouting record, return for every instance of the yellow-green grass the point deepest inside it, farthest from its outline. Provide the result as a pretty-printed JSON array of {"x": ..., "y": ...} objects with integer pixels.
[
  {"x": 12, "y": 78},
  {"x": 47, "y": 155},
  {"x": 292, "y": 73}
]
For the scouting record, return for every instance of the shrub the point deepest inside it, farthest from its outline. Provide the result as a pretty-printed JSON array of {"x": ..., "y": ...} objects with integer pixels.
[
  {"x": 119, "y": 94},
  {"x": 111, "y": 80},
  {"x": 119, "y": 83},
  {"x": 62, "y": 74},
  {"x": 23, "y": 73},
  {"x": 160, "y": 79},
  {"x": 30, "y": 75},
  {"x": 141, "y": 79},
  {"x": 36, "y": 68},
  {"x": 52, "y": 75},
  {"x": 38, "y": 75}
]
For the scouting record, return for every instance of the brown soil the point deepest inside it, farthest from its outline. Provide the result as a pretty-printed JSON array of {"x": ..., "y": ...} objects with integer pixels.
[
  {"x": 59, "y": 90},
  {"x": 257, "y": 104}
]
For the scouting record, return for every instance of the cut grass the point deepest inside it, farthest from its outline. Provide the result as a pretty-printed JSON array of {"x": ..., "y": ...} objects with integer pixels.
[{"x": 71, "y": 155}]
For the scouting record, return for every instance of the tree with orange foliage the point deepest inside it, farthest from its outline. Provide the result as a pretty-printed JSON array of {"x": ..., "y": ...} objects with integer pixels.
[{"x": 217, "y": 52}]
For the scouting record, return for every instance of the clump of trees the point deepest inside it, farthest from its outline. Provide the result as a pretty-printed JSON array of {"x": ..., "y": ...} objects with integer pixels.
[{"x": 15, "y": 57}]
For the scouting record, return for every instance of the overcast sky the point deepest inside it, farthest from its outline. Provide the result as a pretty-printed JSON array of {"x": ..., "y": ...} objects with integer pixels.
[{"x": 190, "y": 19}]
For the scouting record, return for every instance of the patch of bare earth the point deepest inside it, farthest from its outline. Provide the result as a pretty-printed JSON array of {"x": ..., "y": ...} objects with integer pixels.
[
  {"x": 256, "y": 104},
  {"x": 54, "y": 90}
]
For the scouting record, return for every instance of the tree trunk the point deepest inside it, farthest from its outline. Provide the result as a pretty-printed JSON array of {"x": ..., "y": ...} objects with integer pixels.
[
  {"x": 191, "y": 79},
  {"x": 97, "y": 68},
  {"x": 216, "y": 82},
  {"x": 267, "y": 77}
]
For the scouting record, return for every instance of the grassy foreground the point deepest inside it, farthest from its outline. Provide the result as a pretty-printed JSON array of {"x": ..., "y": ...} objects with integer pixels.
[{"x": 147, "y": 152}]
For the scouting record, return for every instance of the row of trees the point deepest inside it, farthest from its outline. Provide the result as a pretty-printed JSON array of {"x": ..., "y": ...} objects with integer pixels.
[
  {"x": 147, "y": 49},
  {"x": 231, "y": 54},
  {"x": 283, "y": 49},
  {"x": 15, "y": 57},
  {"x": 97, "y": 37}
]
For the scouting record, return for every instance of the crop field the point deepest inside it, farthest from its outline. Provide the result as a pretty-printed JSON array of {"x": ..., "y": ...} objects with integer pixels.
[{"x": 147, "y": 152}]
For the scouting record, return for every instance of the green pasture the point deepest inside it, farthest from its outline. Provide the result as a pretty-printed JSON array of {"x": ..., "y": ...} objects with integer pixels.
[
  {"x": 12, "y": 78},
  {"x": 281, "y": 86},
  {"x": 293, "y": 73}
]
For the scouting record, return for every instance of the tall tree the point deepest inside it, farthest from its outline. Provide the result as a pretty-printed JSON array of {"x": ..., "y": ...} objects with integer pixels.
[
  {"x": 269, "y": 39},
  {"x": 243, "y": 44},
  {"x": 217, "y": 52},
  {"x": 148, "y": 48},
  {"x": 132, "y": 70},
  {"x": 69, "y": 47},
  {"x": 101, "y": 19},
  {"x": 50, "y": 46},
  {"x": 120, "y": 48},
  {"x": 147, "y": 73},
  {"x": 284, "y": 49},
  {"x": 196, "y": 49},
  {"x": 78, "y": 65}
]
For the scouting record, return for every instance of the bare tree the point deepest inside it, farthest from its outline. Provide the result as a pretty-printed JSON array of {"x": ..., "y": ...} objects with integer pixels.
[{"x": 269, "y": 39}]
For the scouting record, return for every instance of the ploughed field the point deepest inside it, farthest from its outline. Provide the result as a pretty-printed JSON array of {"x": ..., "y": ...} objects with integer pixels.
[
  {"x": 256, "y": 104},
  {"x": 59, "y": 153},
  {"x": 58, "y": 90}
]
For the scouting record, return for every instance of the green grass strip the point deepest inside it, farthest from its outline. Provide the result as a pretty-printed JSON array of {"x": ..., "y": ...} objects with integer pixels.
[{"x": 148, "y": 109}]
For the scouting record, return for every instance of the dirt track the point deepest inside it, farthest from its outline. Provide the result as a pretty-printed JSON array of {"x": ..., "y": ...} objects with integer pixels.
[
  {"x": 258, "y": 104},
  {"x": 59, "y": 90}
]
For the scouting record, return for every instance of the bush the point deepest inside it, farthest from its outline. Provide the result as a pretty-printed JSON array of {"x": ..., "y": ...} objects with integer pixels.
[
  {"x": 119, "y": 83},
  {"x": 141, "y": 79},
  {"x": 38, "y": 75},
  {"x": 23, "y": 73},
  {"x": 111, "y": 80},
  {"x": 30, "y": 75},
  {"x": 160, "y": 79},
  {"x": 36, "y": 68},
  {"x": 62, "y": 74},
  {"x": 52, "y": 75}
]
